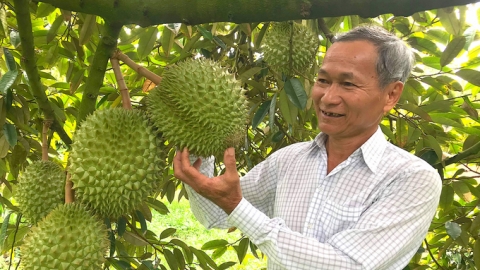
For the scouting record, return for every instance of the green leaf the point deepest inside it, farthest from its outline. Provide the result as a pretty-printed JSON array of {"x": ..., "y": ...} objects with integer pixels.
[
  {"x": 143, "y": 222},
  {"x": 214, "y": 244},
  {"x": 417, "y": 110},
  {"x": 44, "y": 10},
  {"x": 219, "y": 252},
  {"x": 205, "y": 33},
  {"x": 10, "y": 134},
  {"x": 272, "y": 109},
  {"x": 296, "y": 93},
  {"x": 453, "y": 49},
  {"x": 159, "y": 206},
  {"x": 245, "y": 76},
  {"x": 167, "y": 232},
  {"x": 167, "y": 39},
  {"x": 134, "y": 239},
  {"x": 87, "y": 29},
  {"x": 11, "y": 64},
  {"x": 449, "y": 21},
  {"x": 476, "y": 252},
  {"x": 261, "y": 113},
  {"x": 111, "y": 238},
  {"x": 288, "y": 110},
  {"x": 219, "y": 42},
  {"x": 242, "y": 249},
  {"x": 445, "y": 121},
  {"x": 147, "y": 42},
  {"x": 179, "y": 258},
  {"x": 121, "y": 226},
  {"x": 226, "y": 265},
  {"x": 429, "y": 156},
  {"x": 469, "y": 108},
  {"x": 186, "y": 249},
  {"x": 470, "y": 75},
  {"x": 3, "y": 230},
  {"x": 424, "y": 45},
  {"x": 52, "y": 32},
  {"x": 7, "y": 80},
  {"x": 462, "y": 190},
  {"x": 201, "y": 257},
  {"x": 430, "y": 141},
  {"x": 453, "y": 229},
  {"x": 172, "y": 262}
]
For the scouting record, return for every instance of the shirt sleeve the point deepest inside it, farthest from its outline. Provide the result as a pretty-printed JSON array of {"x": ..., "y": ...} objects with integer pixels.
[
  {"x": 387, "y": 235},
  {"x": 258, "y": 186}
]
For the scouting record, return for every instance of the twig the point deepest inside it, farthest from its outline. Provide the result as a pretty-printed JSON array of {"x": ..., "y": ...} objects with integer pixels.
[
  {"x": 431, "y": 255},
  {"x": 326, "y": 31},
  {"x": 139, "y": 69},
  {"x": 134, "y": 229},
  {"x": 127, "y": 104},
  {"x": 19, "y": 218},
  {"x": 46, "y": 127},
  {"x": 284, "y": 132},
  {"x": 69, "y": 192}
]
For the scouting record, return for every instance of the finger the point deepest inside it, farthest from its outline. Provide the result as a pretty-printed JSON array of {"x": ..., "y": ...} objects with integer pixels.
[
  {"x": 197, "y": 163},
  {"x": 189, "y": 170},
  {"x": 178, "y": 166},
  {"x": 230, "y": 162}
]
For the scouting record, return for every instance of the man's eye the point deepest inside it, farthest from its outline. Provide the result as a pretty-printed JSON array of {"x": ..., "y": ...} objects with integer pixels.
[
  {"x": 348, "y": 84},
  {"x": 322, "y": 81}
]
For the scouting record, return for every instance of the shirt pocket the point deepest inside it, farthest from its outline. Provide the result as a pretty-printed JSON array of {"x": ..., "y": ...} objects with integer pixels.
[{"x": 335, "y": 217}]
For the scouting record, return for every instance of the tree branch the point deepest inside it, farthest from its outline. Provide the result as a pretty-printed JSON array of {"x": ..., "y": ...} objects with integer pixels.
[
  {"x": 29, "y": 60},
  {"x": 139, "y": 69},
  {"x": 153, "y": 12},
  {"x": 473, "y": 150},
  {"x": 105, "y": 49}
]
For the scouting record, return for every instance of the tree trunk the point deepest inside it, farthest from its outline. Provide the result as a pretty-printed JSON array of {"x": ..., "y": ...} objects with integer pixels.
[{"x": 154, "y": 12}]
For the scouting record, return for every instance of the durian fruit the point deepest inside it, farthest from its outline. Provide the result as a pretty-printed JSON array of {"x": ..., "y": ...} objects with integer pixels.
[
  {"x": 67, "y": 238},
  {"x": 41, "y": 188},
  {"x": 283, "y": 58},
  {"x": 201, "y": 106},
  {"x": 116, "y": 161}
]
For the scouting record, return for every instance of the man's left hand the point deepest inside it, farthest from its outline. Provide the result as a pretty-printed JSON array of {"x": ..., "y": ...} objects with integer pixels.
[{"x": 223, "y": 190}]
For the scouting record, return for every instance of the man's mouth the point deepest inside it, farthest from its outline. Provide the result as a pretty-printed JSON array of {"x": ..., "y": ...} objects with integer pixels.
[{"x": 330, "y": 114}]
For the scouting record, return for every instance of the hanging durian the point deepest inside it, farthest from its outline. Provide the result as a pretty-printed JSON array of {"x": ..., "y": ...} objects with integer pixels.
[
  {"x": 69, "y": 237},
  {"x": 201, "y": 106},
  {"x": 289, "y": 48},
  {"x": 116, "y": 161},
  {"x": 41, "y": 188}
]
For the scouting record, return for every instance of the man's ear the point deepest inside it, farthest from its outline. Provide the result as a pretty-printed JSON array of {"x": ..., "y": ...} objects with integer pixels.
[{"x": 392, "y": 95}]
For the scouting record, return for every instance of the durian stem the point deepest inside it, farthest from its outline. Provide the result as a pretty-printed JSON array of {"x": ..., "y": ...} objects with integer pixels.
[
  {"x": 46, "y": 127},
  {"x": 105, "y": 48},
  {"x": 29, "y": 62},
  {"x": 69, "y": 192},
  {"x": 127, "y": 104},
  {"x": 139, "y": 69},
  {"x": 326, "y": 31}
]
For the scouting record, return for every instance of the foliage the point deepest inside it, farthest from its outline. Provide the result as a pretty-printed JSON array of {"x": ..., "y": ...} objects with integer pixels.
[{"x": 436, "y": 118}]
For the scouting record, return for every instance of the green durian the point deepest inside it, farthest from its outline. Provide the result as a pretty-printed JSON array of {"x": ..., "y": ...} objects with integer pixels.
[
  {"x": 288, "y": 59},
  {"x": 69, "y": 237},
  {"x": 41, "y": 188},
  {"x": 116, "y": 161},
  {"x": 201, "y": 106}
]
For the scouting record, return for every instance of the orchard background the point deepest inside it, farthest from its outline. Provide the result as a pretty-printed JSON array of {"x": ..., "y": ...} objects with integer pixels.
[{"x": 55, "y": 68}]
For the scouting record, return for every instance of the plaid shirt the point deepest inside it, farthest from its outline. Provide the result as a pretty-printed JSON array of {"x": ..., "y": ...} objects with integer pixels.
[{"x": 371, "y": 212}]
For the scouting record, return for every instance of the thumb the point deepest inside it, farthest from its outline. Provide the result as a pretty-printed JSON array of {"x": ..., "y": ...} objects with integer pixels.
[{"x": 230, "y": 162}]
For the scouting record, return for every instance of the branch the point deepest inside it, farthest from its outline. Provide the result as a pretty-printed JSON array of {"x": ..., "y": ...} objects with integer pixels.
[
  {"x": 326, "y": 31},
  {"x": 69, "y": 192},
  {"x": 46, "y": 127},
  {"x": 105, "y": 49},
  {"x": 139, "y": 69},
  {"x": 473, "y": 150},
  {"x": 122, "y": 86},
  {"x": 29, "y": 61},
  {"x": 153, "y": 12}
]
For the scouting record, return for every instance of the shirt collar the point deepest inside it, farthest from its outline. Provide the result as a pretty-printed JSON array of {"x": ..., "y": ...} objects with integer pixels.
[{"x": 372, "y": 150}]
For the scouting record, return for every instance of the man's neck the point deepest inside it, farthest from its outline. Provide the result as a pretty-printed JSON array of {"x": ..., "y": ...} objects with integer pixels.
[{"x": 339, "y": 149}]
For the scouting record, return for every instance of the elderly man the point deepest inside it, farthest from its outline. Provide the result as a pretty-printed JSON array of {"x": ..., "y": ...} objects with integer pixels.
[{"x": 346, "y": 200}]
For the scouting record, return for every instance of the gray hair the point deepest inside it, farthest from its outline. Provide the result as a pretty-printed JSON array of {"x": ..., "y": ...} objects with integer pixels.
[{"x": 395, "y": 58}]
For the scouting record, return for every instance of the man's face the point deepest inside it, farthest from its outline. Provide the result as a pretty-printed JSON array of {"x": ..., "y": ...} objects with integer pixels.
[{"x": 348, "y": 100}]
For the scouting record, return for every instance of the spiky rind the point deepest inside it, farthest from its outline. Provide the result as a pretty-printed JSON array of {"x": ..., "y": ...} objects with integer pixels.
[
  {"x": 283, "y": 59},
  {"x": 201, "y": 106},
  {"x": 41, "y": 188},
  {"x": 69, "y": 237},
  {"x": 116, "y": 161}
]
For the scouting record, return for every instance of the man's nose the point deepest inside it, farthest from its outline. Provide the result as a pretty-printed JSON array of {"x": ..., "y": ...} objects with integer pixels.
[{"x": 331, "y": 95}]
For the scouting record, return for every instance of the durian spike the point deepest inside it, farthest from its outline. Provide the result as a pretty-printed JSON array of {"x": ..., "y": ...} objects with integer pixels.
[
  {"x": 139, "y": 69},
  {"x": 69, "y": 192},
  {"x": 46, "y": 126},
  {"x": 127, "y": 104}
]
